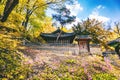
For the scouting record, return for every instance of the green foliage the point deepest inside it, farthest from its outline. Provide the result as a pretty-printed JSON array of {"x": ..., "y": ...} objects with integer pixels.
[
  {"x": 70, "y": 61},
  {"x": 11, "y": 60},
  {"x": 2, "y": 6},
  {"x": 104, "y": 76},
  {"x": 7, "y": 43},
  {"x": 38, "y": 26},
  {"x": 11, "y": 66},
  {"x": 63, "y": 73}
]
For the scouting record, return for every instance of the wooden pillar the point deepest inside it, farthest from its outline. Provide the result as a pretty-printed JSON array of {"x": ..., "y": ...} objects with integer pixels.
[{"x": 88, "y": 45}]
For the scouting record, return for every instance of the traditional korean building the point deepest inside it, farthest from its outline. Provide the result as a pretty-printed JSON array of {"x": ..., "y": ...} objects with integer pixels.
[
  {"x": 58, "y": 36},
  {"x": 83, "y": 43},
  {"x": 61, "y": 37}
]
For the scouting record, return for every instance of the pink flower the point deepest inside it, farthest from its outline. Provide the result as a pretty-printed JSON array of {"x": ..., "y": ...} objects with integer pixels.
[
  {"x": 107, "y": 63},
  {"x": 29, "y": 62}
]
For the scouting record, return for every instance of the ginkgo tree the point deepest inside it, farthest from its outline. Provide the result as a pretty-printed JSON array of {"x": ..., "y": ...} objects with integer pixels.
[
  {"x": 38, "y": 26},
  {"x": 96, "y": 30},
  {"x": 24, "y": 14},
  {"x": 35, "y": 7},
  {"x": 10, "y": 4},
  {"x": 11, "y": 60},
  {"x": 116, "y": 29},
  {"x": 29, "y": 10}
]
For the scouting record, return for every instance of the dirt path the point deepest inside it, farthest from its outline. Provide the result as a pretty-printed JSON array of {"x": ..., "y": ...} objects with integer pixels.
[
  {"x": 40, "y": 56},
  {"x": 51, "y": 54}
]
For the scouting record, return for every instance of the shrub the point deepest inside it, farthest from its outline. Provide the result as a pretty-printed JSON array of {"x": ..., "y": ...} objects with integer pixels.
[
  {"x": 11, "y": 66},
  {"x": 64, "y": 72},
  {"x": 11, "y": 61},
  {"x": 104, "y": 76},
  {"x": 70, "y": 61}
]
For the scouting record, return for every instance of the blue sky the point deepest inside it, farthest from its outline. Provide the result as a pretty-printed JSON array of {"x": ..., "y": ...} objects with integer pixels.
[
  {"x": 103, "y": 10},
  {"x": 100, "y": 8}
]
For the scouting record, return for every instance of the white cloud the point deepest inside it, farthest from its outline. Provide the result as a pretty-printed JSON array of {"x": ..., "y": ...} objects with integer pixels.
[
  {"x": 73, "y": 23},
  {"x": 99, "y": 18},
  {"x": 95, "y": 14},
  {"x": 49, "y": 12},
  {"x": 75, "y": 9},
  {"x": 100, "y": 7}
]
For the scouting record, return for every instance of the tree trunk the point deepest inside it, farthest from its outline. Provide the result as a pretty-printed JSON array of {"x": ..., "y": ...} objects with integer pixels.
[
  {"x": 10, "y": 4},
  {"x": 25, "y": 23},
  {"x": 59, "y": 35}
]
